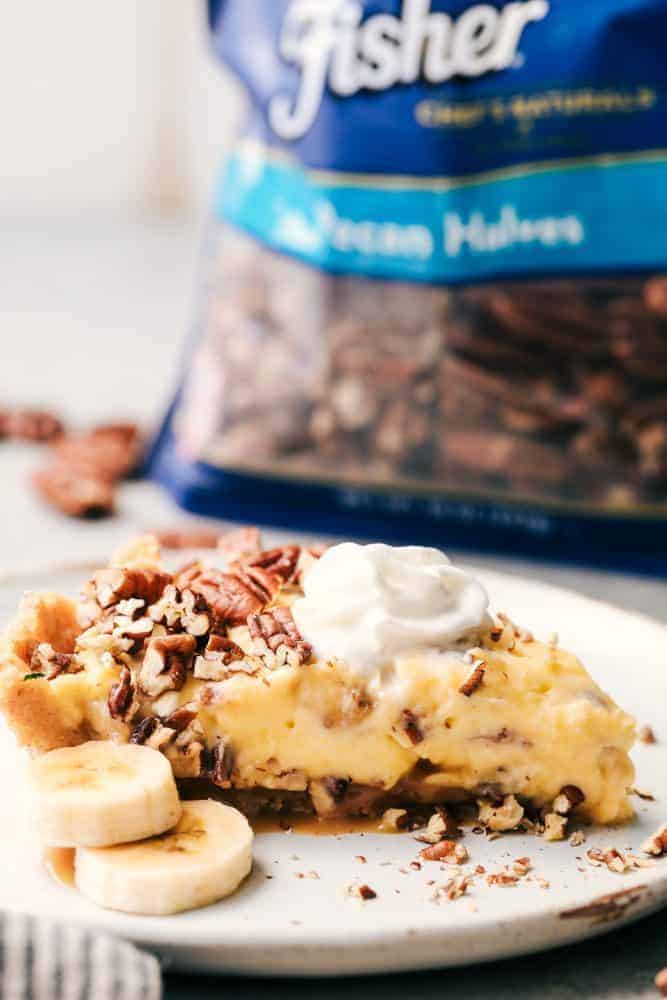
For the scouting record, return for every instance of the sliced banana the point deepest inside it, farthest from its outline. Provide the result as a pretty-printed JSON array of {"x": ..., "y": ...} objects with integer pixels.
[
  {"x": 99, "y": 794},
  {"x": 203, "y": 859}
]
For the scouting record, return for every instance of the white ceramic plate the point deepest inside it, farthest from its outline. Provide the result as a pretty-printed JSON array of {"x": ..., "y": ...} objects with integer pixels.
[{"x": 290, "y": 924}]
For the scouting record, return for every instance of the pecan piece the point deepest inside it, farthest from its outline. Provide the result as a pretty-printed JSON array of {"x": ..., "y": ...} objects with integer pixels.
[
  {"x": 328, "y": 793},
  {"x": 555, "y": 826},
  {"x": 45, "y": 660},
  {"x": 32, "y": 425},
  {"x": 218, "y": 764},
  {"x": 187, "y": 538},
  {"x": 228, "y": 599},
  {"x": 166, "y": 664},
  {"x": 567, "y": 799},
  {"x": 242, "y": 543},
  {"x": 109, "y": 453},
  {"x": 506, "y": 816},
  {"x": 144, "y": 730},
  {"x": 220, "y": 653},
  {"x": 279, "y": 562},
  {"x": 275, "y": 632},
  {"x": 445, "y": 850},
  {"x": 473, "y": 679},
  {"x": 73, "y": 493},
  {"x": 411, "y": 727},
  {"x": 657, "y": 843},
  {"x": 180, "y": 609},
  {"x": 122, "y": 700},
  {"x": 113, "y": 585},
  {"x": 182, "y": 717}
]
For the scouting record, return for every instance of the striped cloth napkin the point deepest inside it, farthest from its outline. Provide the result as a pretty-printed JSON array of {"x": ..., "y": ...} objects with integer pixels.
[{"x": 41, "y": 960}]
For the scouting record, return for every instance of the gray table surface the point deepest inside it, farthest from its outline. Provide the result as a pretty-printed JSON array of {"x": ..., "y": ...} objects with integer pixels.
[{"x": 92, "y": 318}]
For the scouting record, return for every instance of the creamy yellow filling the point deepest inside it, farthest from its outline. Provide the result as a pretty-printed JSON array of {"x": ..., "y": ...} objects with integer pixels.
[{"x": 535, "y": 723}]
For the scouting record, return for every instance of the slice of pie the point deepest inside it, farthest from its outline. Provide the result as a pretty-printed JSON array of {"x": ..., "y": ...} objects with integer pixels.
[{"x": 215, "y": 668}]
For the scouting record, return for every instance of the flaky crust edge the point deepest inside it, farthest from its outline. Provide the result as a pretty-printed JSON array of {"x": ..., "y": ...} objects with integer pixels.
[{"x": 31, "y": 708}]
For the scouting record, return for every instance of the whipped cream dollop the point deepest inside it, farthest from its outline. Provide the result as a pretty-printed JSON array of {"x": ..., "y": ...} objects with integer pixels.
[{"x": 366, "y": 604}]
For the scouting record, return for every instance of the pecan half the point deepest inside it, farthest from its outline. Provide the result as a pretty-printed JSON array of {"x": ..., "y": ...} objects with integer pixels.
[
  {"x": 277, "y": 639},
  {"x": 113, "y": 585},
  {"x": 109, "y": 452},
  {"x": 122, "y": 700},
  {"x": 279, "y": 562},
  {"x": 215, "y": 661},
  {"x": 228, "y": 599},
  {"x": 74, "y": 493},
  {"x": 166, "y": 664},
  {"x": 187, "y": 538},
  {"x": 45, "y": 660},
  {"x": 32, "y": 425}
]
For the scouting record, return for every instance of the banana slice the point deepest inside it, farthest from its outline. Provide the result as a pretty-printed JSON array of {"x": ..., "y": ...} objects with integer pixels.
[
  {"x": 98, "y": 794},
  {"x": 203, "y": 859}
]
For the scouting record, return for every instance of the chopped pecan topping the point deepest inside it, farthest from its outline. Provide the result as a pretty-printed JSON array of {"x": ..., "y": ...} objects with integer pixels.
[
  {"x": 45, "y": 660},
  {"x": 218, "y": 764},
  {"x": 474, "y": 678},
  {"x": 182, "y": 717},
  {"x": 276, "y": 632},
  {"x": 220, "y": 658},
  {"x": 228, "y": 599},
  {"x": 554, "y": 826},
  {"x": 567, "y": 799},
  {"x": 501, "y": 817},
  {"x": 185, "y": 756},
  {"x": 114, "y": 585},
  {"x": 122, "y": 700},
  {"x": 129, "y": 633},
  {"x": 166, "y": 663},
  {"x": 180, "y": 609},
  {"x": 411, "y": 727},
  {"x": 144, "y": 730},
  {"x": 657, "y": 843},
  {"x": 445, "y": 850}
]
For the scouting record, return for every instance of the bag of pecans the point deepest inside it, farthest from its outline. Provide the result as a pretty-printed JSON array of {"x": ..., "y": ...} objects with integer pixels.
[{"x": 434, "y": 302}]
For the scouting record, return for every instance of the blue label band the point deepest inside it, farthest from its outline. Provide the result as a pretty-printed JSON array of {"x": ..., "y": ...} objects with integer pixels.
[{"x": 570, "y": 217}]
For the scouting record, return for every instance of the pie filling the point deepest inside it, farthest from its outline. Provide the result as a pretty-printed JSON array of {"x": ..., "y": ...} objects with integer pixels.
[{"x": 210, "y": 667}]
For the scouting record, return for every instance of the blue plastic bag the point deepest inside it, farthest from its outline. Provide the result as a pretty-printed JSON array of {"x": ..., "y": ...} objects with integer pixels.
[{"x": 434, "y": 305}]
